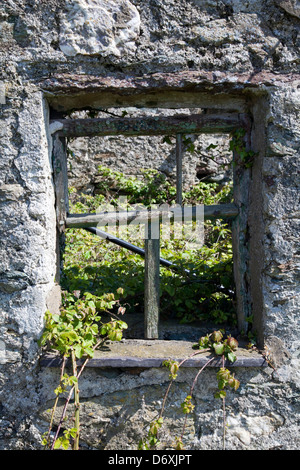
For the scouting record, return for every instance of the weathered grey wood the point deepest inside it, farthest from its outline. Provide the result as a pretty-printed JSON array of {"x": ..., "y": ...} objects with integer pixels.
[
  {"x": 161, "y": 125},
  {"x": 217, "y": 211},
  {"x": 151, "y": 284},
  {"x": 240, "y": 234},
  {"x": 179, "y": 169},
  {"x": 60, "y": 177}
]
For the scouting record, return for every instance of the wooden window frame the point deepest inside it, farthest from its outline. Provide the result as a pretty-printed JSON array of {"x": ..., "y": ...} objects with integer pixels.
[{"x": 178, "y": 125}]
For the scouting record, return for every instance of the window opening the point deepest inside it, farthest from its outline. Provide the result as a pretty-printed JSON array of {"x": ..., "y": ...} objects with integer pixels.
[{"x": 178, "y": 126}]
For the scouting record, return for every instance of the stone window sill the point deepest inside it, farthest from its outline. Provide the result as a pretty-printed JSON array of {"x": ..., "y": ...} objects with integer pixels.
[{"x": 152, "y": 353}]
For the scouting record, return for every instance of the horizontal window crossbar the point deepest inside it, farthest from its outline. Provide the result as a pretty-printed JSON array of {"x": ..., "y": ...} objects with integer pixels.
[
  {"x": 149, "y": 125},
  {"x": 218, "y": 211}
]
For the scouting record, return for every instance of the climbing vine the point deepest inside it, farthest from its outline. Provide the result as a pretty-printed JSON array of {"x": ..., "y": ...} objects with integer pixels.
[
  {"x": 76, "y": 334},
  {"x": 219, "y": 346},
  {"x": 244, "y": 156}
]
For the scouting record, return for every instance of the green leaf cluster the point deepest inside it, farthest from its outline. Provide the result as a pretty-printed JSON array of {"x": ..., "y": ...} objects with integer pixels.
[
  {"x": 77, "y": 332},
  {"x": 64, "y": 441},
  {"x": 151, "y": 441},
  {"x": 66, "y": 380},
  {"x": 173, "y": 367},
  {"x": 79, "y": 326},
  {"x": 187, "y": 406},
  {"x": 216, "y": 343},
  {"x": 152, "y": 188},
  {"x": 245, "y": 157},
  {"x": 225, "y": 378}
]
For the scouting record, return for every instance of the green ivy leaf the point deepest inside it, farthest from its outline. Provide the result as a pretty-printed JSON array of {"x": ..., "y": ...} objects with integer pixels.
[
  {"x": 231, "y": 356},
  {"x": 220, "y": 394},
  {"x": 219, "y": 348},
  {"x": 89, "y": 351},
  {"x": 78, "y": 349}
]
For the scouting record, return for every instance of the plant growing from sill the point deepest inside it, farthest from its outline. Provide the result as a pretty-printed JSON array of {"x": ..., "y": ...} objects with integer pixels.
[
  {"x": 76, "y": 334},
  {"x": 218, "y": 346}
]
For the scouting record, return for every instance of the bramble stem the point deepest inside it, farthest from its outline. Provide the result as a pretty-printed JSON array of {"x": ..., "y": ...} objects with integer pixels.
[
  {"x": 100, "y": 342},
  {"x": 172, "y": 380},
  {"x": 192, "y": 388},
  {"x": 224, "y": 412},
  {"x": 76, "y": 402},
  {"x": 62, "y": 371}
]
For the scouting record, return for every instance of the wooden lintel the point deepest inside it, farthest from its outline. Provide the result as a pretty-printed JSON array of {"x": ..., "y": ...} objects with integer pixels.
[
  {"x": 148, "y": 125},
  {"x": 219, "y": 211}
]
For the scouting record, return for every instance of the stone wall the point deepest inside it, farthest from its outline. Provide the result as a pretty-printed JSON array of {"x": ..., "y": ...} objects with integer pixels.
[
  {"x": 228, "y": 54},
  {"x": 132, "y": 155}
]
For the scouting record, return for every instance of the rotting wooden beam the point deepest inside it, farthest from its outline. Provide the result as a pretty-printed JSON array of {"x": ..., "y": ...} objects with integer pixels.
[
  {"x": 179, "y": 169},
  {"x": 60, "y": 176},
  {"x": 152, "y": 273},
  {"x": 240, "y": 234},
  {"x": 149, "y": 125},
  {"x": 218, "y": 211}
]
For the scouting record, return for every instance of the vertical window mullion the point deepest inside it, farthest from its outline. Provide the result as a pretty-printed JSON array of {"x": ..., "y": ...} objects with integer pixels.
[
  {"x": 152, "y": 283},
  {"x": 60, "y": 177},
  {"x": 179, "y": 169},
  {"x": 240, "y": 234}
]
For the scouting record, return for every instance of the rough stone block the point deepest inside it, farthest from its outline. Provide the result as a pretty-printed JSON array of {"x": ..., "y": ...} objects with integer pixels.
[{"x": 104, "y": 27}]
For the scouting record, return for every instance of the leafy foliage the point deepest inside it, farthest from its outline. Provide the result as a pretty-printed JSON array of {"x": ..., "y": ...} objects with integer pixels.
[
  {"x": 219, "y": 346},
  {"x": 215, "y": 343},
  {"x": 77, "y": 327},
  {"x": 76, "y": 333},
  {"x": 244, "y": 157},
  {"x": 97, "y": 266}
]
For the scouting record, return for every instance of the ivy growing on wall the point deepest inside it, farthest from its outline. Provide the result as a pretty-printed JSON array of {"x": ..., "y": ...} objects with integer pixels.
[{"x": 218, "y": 345}]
